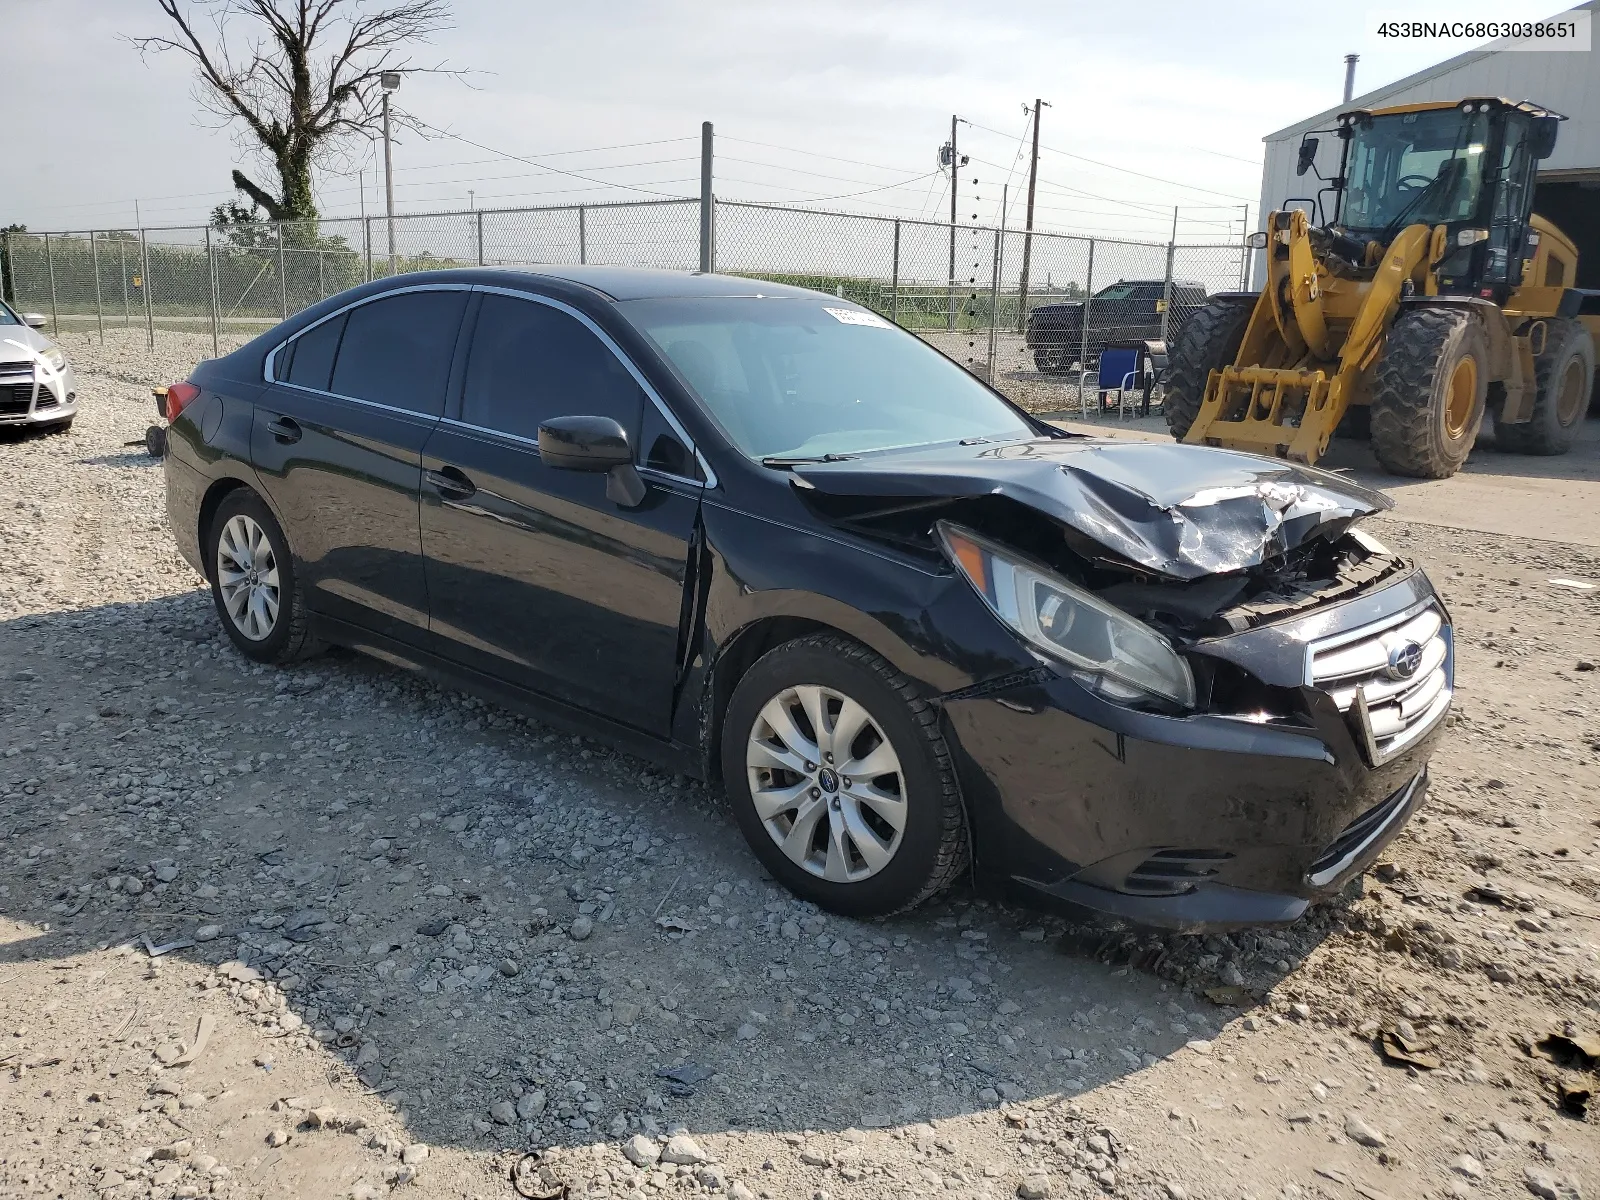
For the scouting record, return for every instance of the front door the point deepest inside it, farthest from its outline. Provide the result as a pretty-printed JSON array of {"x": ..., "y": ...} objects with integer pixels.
[
  {"x": 534, "y": 576},
  {"x": 337, "y": 443}
]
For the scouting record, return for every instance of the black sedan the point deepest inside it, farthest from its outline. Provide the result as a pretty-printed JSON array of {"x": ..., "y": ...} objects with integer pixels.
[{"x": 764, "y": 537}]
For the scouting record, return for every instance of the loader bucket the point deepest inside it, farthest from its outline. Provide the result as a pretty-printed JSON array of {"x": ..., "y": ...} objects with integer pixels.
[{"x": 1281, "y": 412}]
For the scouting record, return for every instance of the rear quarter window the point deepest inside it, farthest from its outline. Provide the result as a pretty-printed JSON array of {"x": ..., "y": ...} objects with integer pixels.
[{"x": 310, "y": 356}]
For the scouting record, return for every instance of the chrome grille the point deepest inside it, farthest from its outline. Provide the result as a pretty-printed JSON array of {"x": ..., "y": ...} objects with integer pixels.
[{"x": 1372, "y": 662}]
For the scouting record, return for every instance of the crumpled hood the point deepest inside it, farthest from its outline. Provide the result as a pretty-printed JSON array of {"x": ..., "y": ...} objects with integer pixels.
[{"x": 1182, "y": 511}]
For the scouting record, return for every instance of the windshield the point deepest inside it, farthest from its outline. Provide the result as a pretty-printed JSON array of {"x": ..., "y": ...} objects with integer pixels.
[
  {"x": 1407, "y": 168},
  {"x": 801, "y": 378},
  {"x": 1117, "y": 291},
  {"x": 7, "y": 317}
]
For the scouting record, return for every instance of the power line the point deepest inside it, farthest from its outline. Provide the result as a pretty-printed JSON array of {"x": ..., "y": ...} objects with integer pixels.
[
  {"x": 1125, "y": 170},
  {"x": 543, "y": 166}
]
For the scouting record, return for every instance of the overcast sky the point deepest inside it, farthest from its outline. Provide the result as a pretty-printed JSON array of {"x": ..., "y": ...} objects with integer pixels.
[{"x": 814, "y": 103}]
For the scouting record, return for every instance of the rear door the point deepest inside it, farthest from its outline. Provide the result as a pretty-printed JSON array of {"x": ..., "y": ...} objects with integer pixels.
[
  {"x": 534, "y": 575},
  {"x": 337, "y": 443}
]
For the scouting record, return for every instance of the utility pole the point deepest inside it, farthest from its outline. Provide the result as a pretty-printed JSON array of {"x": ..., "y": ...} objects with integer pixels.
[
  {"x": 1027, "y": 237},
  {"x": 955, "y": 175},
  {"x": 390, "y": 81},
  {"x": 1350, "y": 61},
  {"x": 472, "y": 200}
]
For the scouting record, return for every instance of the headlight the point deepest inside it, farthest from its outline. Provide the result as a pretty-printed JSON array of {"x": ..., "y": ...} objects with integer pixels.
[
  {"x": 55, "y": 357},
  {"x": 1103, "y": 647}
]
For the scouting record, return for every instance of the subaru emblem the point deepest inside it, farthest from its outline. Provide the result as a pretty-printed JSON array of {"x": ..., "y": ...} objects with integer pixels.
[{"x": 1404, "y": 660}]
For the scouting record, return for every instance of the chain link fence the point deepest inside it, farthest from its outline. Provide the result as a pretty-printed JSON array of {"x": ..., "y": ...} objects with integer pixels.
[{"x": 1032, "y": 313}]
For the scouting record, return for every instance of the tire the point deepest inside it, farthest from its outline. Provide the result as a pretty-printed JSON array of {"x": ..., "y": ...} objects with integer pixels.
[
  {"x": 876, "y": 870},
  {"x": 273, "y": 625},
  {"x": 155, "y": 441},
  {"x": 1210, "y": 341},
  {"x": 1428, "y": 392},
  {"x": 1563, "y": 378},
  {"x": 1050, "y": 362}
]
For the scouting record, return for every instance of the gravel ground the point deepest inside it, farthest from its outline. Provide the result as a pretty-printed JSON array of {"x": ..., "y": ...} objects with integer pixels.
[{"x": 419, "y": 938}]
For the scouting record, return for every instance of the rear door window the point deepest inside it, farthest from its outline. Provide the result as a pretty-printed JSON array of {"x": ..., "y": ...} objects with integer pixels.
[
  {"x": 530, "y": 362},
  {"x": 397, "y": 350},
  {"x": 312, "y": 353}
]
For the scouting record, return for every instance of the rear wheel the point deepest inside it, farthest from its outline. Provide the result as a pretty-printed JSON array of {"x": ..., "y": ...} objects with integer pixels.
[
  {"x": 1428, "y": 392},
  {"x": 254, "y": 584},
  {"x": 1564, "y": 377},
  {"x": 1210, "y": 341},
  {"x": 1050, "y": 361},
  {"x": 841, "y": 780}
]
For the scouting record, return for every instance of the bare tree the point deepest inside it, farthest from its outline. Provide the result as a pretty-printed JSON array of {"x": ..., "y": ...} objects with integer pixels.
[{"x": 302, "y": 79}]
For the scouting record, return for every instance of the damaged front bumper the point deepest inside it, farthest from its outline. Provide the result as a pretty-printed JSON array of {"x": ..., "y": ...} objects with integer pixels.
[{"x": 1217, "y": 820}]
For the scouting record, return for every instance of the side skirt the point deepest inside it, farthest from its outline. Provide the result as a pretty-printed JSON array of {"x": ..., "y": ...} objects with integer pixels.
[{"x": 669, "y": 755}]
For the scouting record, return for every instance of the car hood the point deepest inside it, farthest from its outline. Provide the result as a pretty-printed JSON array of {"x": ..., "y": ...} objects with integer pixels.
[
  {"x": 21, "y": 343},
  {"x": 1181, "y": 511}
]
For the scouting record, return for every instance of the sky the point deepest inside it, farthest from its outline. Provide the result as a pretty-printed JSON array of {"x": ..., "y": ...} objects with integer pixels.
[{"x": 836, "y": 104}]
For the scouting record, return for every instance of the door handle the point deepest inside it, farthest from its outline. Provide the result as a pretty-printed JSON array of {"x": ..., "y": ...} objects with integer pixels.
[
  {"x": 450, "y": 483},
  {"x": 285, "y": 429}
]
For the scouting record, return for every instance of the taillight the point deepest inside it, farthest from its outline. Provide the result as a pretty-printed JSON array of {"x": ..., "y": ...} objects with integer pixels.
[{"x": 178, "y": 397}]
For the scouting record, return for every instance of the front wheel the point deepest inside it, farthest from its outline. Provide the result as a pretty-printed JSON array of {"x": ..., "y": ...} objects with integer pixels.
[
  {"x": 841, "y": 780},
  {"x": 1209, "y": 341},
  {"x": 1428, "y": 392},
  {"x": 253, "y": 582}
]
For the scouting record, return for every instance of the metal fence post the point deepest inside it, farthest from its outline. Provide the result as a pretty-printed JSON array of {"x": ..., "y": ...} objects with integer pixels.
[
  {"x": 322, "y": 275},
  {"x": 122, "y": 265},
  {"x": 894, "y": 286},
  {"x": 6, "y": 267},
  {"x": 994, "y": 293},
  {"x": 1166, "y": 291},
  {"x": 144, "y": 287},
  {"x": 211, "y": 266},
  {"x": 583, "y": 236},
  {"x": 50, "y": 265},
  {"x": 366, "y": 241},
  {"x": 99, "y": 315},
  {"x": 1083, "y": 357},
  {"x": 708, "y": 219},
  {"x": 283, "y": 277}
]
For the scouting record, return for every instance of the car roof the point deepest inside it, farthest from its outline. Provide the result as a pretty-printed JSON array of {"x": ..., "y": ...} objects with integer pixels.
[{"x": 642, "y": 283}]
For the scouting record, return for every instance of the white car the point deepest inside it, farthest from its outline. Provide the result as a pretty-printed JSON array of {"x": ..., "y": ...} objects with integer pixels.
[{"x": 37, "y": 386}]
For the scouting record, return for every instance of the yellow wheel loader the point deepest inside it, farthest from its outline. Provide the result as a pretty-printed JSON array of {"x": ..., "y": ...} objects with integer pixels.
[{"x": 1429, "y": 294}]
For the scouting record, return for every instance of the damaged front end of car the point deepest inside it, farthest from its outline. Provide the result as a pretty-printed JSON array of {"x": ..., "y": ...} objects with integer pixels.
[{"x": 1228, "y": 690}]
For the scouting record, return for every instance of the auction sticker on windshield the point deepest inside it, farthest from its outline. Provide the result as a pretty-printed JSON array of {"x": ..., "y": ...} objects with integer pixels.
[{"x": 850, "y": 316}]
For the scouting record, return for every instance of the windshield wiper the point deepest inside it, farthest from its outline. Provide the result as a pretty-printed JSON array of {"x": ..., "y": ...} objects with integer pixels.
[{"x": 796, "y": 460}]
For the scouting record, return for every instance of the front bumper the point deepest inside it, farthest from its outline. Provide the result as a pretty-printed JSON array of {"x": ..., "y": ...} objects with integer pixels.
[
  {"x": 35, "y": 398},
  {"x": 1201, "y": 822}
]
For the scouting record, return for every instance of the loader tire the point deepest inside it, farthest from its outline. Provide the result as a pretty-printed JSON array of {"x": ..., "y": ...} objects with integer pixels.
[
  {"x": 1210, "y": 341},
  {"x": 1428, "y": 392},
  {"x": 1563, "y": 377}
]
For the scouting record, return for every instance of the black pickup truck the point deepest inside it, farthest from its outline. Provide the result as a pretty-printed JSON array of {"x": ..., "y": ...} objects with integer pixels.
[{"x": 1129, "y": 310}]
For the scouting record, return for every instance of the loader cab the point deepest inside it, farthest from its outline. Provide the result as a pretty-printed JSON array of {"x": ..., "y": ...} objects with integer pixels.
[{"x": 1468, "y": 166}]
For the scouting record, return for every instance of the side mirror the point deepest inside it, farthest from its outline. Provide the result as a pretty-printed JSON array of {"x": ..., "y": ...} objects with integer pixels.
[
  {"x": 584, "y": 444},
  {"x": 593, "y": 444},
  {"x": 34, "y": 320},
  {"x": 1256, "y": 240},
  {"x": 1308, "y": 155},
  {"x": 1542, "y": 137}
]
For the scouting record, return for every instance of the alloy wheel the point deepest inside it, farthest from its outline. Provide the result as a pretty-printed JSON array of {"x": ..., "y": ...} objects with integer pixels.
[
  {"x": 826, "y": 783},
  {"x": 247, "y": 576}
]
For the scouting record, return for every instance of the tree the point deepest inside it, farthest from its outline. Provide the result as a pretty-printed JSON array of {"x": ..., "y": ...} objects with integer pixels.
[{"x": 302, "y": 82}]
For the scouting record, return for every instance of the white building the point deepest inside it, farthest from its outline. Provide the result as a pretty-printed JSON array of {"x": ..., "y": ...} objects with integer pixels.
[{"x": 1567, "y": 82}]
